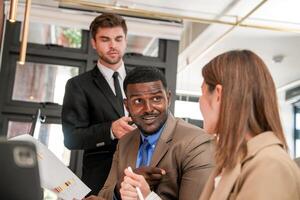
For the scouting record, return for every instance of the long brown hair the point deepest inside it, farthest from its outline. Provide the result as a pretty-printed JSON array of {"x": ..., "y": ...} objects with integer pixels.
[{"x": 248, "y": 103}]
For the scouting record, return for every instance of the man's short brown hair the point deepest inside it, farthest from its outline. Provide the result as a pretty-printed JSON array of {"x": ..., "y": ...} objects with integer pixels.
[{"x": 107, "y": 20}]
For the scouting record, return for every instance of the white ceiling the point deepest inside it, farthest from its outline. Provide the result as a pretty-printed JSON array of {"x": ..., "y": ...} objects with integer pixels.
[
  {"x": 266, "y": 44},
  {"x": 273, "y": 10},
  {"x": 275, "y": 13}
]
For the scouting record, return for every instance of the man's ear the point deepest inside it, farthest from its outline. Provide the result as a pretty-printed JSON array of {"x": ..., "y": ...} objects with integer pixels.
[
  {"x": 169, "y": 94},
  {"x": 125, "y": 101},
  {"x": 93, "y": 43}
]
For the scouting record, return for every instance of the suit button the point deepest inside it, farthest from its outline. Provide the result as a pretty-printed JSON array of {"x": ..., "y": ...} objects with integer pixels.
[{"x": 100, "y": 144}]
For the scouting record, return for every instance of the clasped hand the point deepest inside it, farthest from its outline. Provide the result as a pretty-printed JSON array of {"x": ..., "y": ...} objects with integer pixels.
[
  {"x": 144, "y": 178},
  {"x": 152, "y": 175}
]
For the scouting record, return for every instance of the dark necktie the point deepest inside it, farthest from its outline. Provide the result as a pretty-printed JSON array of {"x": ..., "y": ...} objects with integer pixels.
[
  {"x": 118, "y": 89},
  {"x": 144, "y": 152}
]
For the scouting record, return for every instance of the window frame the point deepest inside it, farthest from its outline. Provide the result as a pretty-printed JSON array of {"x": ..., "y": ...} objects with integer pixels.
[{"x": 296, "y": 135}]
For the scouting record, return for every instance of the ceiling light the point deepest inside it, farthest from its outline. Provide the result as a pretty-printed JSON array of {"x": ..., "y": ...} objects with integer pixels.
[{"x": 278, "y": 58}]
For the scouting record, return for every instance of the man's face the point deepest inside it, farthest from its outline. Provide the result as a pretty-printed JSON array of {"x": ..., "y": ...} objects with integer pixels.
[
  {"x": 147, "y": 104},
  {"x": 110, "y": 44}
]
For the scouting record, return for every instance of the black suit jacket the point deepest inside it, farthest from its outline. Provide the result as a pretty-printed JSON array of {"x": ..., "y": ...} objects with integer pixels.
[{"x": 89, "y": 108}]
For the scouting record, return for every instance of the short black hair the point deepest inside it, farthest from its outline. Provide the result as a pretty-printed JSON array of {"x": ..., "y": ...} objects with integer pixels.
[
  {"x": 107, "y": 20},
  {"x": 144, "y": 75}
]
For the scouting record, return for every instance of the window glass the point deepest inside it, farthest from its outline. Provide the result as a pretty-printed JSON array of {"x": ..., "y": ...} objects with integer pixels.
[
  {"x": 297, "y": 140},
  {"x": 37, "y": 82},
  {"x": 297, "y": 153},
  {"x": 297, "y": 121},
  {"x": 141, "y": 45},
  {"x": 54, "y": 35},
  {"x": 17, "y": 128},
  {"x": 50, "y": 135},
  {"x": 187, "y": 109}
]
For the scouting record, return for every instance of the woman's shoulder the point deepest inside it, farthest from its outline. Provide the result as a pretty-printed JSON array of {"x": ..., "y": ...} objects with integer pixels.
[{"x": 272, "y": 159}]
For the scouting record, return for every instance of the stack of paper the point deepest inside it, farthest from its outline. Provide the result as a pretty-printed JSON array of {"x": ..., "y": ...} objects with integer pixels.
[{"x": 55, "y": 176}]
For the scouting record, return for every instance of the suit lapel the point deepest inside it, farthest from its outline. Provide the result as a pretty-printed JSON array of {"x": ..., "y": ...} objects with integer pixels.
[
  {"x": 106, "y": 90},
  {"x": 132, "y": 151},
  {"x": 163, "y": 143},
  {"x": 226, "y": 183}
]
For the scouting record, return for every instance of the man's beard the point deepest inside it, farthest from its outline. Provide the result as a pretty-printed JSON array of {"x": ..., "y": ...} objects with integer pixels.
[
  {"x": 110, "y": 61},
  {"x": 161, "y": 124}
]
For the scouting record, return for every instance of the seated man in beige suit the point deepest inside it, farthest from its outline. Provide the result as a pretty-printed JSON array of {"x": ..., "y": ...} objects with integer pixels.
[{"x": 175, "y": 157}]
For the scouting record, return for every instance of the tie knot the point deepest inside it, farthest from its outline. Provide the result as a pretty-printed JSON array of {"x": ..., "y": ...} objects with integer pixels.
[
  {"x": 145, "y": 141},
  {"x": 115, "y": 75}
]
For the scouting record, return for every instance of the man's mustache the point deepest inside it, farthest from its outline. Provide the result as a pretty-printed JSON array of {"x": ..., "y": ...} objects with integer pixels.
[
  {"x": 113, "y": 51},
  {"x": 146, "y": 115}
]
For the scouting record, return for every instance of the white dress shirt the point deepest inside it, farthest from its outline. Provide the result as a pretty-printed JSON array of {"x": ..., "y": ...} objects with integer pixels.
[{"x": 108, "y": 75}]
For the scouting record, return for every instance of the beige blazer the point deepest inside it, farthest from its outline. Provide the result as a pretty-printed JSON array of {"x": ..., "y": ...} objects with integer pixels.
[
  {"x": 183, "y": 150},
  {"x": 297, "y": 160},
  {"x": 266, "y": 173}
]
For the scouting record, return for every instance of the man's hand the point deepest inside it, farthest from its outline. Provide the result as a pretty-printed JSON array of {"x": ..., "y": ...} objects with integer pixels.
[
  {"x": 93, "y": 197},
  {"x": 153, "y": 175},
  {"x": 128, "y": 186},
  {"x": 121, "y": 127}
]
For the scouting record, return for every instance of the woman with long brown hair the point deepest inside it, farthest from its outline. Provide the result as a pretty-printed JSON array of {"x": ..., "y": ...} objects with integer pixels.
[{"x": 239, "y": 105}]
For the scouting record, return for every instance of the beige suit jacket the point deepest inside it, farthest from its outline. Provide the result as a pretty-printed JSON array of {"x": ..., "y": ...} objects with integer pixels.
[
  {"x": 297, "y": 160},
  {"x": 267, "y": 172},
  {"x": 183, "y": 150}
]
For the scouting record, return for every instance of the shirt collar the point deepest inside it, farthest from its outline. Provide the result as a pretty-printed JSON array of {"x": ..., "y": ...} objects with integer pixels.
[
  {"x": 108, "y": 73},
  {"x": 152, "y": 139},
  {"x": 261, "y": 141}
]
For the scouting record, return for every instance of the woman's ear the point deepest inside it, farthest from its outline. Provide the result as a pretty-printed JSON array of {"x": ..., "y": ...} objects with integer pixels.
[{"x": 218, "y": 91}]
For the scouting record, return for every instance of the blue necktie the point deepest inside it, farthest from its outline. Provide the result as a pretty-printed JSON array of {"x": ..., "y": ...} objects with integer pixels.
[{"x": 144, "y": 152}]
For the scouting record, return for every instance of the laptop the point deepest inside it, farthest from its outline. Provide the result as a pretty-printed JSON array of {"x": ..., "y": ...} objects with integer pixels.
[{"x": 19, "y": 171}]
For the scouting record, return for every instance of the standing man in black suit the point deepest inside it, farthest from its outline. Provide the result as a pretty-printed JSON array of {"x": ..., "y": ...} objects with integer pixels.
[{"x": 93, "y": 117}]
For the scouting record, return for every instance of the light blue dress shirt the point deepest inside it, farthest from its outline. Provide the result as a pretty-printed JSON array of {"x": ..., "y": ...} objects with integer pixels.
[{"x": 152, "y": 139}]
